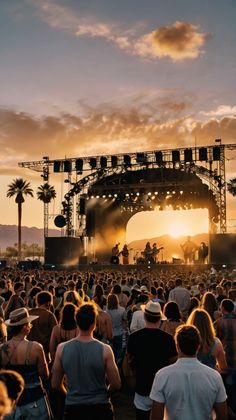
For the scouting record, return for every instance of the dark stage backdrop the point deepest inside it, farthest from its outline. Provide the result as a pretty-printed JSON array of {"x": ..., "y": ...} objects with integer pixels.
[{"x": 223, "y": 248}]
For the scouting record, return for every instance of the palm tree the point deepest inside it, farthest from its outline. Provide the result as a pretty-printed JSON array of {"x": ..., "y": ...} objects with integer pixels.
[
  {"x": 46, "y": 193},
  {"x": 19, "y": 188},
  {"x": 231, "y": 185}
]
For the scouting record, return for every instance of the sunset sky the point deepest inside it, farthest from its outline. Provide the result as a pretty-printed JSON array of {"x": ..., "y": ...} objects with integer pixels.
[{"x": 81, "y": 77}]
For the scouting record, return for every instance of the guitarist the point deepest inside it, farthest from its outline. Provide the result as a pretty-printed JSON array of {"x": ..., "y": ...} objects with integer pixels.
[
  {"x": 155, "y": 252},
  {"x": 125, "y": 254}
]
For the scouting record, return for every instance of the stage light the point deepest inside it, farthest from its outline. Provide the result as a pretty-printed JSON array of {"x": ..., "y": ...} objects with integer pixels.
[
  {"x": 156, "y": 193},
  {"x": 97, "y": 196},
  {"x": 181, "y": 192},
  {"x": 216, "y": 153},
  {"x": 109, "y": 195},
  {"x": 57, "y": 166},
  {"x": 141, "y": 158},
  {"x": 188, "y": 155},
  {"x": 149, "y": 193},
  {"x": 175, "y": 156},
  {"x": 127, "y": 194},
  {"x": 159, "y": 158},
  {"x": 114, "y": 161},
  {"x": 137, "y": 194},
  {"x": 93, "y": 162},
  {"x": 79, "y": 165},
  {"x": 104, "y": 196},
  {"x": 92, "y": 196},
  {"x": 103, "y": 162},
  {"x": 127, "y": 160},
  {"x": 202, "y": 154},
  {"x": 115, "y": 195}
]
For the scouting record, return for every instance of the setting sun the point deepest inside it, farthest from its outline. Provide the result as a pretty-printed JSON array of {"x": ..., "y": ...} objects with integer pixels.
[{"x": 175, "y": 223}]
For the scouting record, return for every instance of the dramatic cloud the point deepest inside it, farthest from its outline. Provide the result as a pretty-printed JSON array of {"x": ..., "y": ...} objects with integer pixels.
[
  {"x": 221, "y": 111},
  {"x": 106, "y": 129},
  {"x": 179, "y": 41}
]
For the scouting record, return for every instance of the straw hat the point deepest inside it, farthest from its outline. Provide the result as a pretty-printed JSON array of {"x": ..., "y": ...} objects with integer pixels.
[
  {"x": 153, "y": 308},
  {"x": 19, "y": 316}
]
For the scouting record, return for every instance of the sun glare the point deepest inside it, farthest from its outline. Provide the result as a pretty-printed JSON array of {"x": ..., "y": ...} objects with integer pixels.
[{"x": 150, "y": 224}]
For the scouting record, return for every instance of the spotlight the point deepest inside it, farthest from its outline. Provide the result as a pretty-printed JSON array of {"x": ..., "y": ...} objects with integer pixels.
[
  {"x": 156, "y": 193},
  {"x": 149, "y": 193}
]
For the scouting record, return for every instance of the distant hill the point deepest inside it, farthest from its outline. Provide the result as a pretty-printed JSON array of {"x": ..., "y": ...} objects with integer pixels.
[
  {"x": 8, "y": 235},
  {"x": 171, "y": 245},
  {"x": 172, "y": 248}
]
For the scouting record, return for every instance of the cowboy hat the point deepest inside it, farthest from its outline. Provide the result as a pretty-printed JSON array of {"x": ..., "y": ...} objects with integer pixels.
[{"x": 19, "y": 316}]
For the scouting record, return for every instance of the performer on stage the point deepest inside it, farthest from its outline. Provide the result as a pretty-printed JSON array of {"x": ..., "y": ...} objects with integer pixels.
[
  {"x": 147, "y": 250},
  {"x": 125, "y": 254},
  {"x": 155, "y": 252},
  {"x": 202, "y": 252},
  {"x": 189, "y": 248},
  {"x": 115, "y": 252}
]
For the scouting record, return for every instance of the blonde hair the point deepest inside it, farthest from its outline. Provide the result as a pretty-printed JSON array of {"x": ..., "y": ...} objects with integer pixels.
[
  {"x": 202, "y": 320},
  {"x": 72, "y": 296}
]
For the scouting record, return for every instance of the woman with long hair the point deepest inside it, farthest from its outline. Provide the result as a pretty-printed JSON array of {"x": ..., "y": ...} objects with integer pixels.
[
  {"x": 119, "y": 325},
  {"x": 67, "y": 328},
  {"x": 173, "y": 317},
  {"x": 98, "y": 296},
  {"x": 211, "y": 352},
  {"x": 28, "y": 359},
  {"x": 72, "y": 296},
  {"x": 209, "y": 303}
]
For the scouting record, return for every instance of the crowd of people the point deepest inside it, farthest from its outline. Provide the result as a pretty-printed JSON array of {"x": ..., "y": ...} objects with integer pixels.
[{"x": 69, "y": 340}]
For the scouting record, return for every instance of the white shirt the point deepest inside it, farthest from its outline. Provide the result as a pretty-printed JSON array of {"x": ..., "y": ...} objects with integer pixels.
[
  {"x": 137, "y": 321},
  {"x": 188, "y": 389}
]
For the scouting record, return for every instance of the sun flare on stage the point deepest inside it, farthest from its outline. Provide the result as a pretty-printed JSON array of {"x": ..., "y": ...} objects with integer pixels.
[{"x": 176, "y": 223}]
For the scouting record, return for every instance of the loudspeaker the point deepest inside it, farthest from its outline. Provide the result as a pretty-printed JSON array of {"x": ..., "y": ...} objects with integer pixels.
[
  {"x": 60, "y": 221},
  {"x": 79, "y": 165},
  {"x": 216, "y": 153},
  {"x": 93, "y": 162},
  {"x": 141, "y": 158},
  {"x": 159, "y": 157},
  {"x": 188, "y": 155},
  {"x": 103, "y": 161},
  {"x": 63, "y": 251},
  {"x": 67, "y": 166},
  {"x": 127, "y": 160},
  {"x": 223, "y": 248},
  {"x": 203, "y": 154},
  {"x": 57, "y": 166},
  {"x": 114, "y": 161},
  {"x": 175, "y": 156}
]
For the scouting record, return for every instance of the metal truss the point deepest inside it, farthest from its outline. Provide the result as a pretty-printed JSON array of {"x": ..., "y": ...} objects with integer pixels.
[{"x": 211, "y": 170}]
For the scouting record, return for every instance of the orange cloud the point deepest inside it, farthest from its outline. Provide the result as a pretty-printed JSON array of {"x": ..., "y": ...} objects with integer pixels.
[
  {"x": 180, "y": 41},
  {"x": 106, "y": 129}
]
